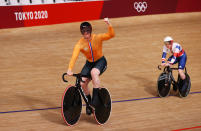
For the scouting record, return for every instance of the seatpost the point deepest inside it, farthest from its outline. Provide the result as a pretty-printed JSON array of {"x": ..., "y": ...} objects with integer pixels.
[
  {"x": 185, "y": 70},
  {"x": 77, "y": 84}
]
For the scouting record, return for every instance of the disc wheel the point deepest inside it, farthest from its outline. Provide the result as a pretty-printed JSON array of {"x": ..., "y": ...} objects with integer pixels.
[
  {"x": 71, "y": 105},
  {"x": 102, "y": 112},
  {"x": 163, "y": 85},
  {"x": 184, "y": 86}
]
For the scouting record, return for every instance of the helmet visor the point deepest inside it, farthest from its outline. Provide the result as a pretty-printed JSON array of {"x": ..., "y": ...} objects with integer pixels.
[{"x": 86, "y": 29}]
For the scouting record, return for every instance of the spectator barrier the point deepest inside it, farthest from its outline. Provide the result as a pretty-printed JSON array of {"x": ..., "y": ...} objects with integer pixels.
[{"x": 46, "y": 14}]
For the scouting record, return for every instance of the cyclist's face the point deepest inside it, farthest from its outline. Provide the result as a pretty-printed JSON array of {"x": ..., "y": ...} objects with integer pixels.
[
  {"x": 168, "y": 45},
  {"x": 87, "y": 35}
]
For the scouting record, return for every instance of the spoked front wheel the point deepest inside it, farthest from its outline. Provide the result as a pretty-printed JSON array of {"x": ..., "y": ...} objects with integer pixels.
[
  {"x": 163, "y": 85},
  {"x": 71, "y": 105},
  {"x": 184, "y": 86},
  {"x": 102, "y": 111}
]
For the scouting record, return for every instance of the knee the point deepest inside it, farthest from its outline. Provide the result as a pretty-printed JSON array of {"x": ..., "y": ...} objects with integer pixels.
[
  {"x": 95, "y": 72},
  {"x": 182, "y": 75},
  {"x": 181, "y": 72}
]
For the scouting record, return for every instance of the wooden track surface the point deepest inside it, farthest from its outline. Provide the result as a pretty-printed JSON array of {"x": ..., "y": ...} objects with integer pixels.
[{"x": 33, "y": 59}]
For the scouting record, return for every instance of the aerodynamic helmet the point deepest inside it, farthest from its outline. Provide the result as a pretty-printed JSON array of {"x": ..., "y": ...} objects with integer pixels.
[
  {"x": 168, "y": 39},
  {"x": 85, "y": 27}
]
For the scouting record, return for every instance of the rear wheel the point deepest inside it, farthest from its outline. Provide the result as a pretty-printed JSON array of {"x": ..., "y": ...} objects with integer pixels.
[
  {"x": 71, "y": 105},
  {"x": 102, "y": 111},
  {"x": 163, "y": 85},
  {"x": 184, "y": 86}
]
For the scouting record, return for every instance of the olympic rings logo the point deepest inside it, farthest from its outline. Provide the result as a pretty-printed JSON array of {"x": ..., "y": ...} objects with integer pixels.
[{"x": 140, "y": 6}]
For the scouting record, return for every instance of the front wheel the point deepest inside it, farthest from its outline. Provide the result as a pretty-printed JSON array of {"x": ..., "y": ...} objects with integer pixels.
[
  {"x": 71, "y": 105},
  {"x": 163, "y": 85}
]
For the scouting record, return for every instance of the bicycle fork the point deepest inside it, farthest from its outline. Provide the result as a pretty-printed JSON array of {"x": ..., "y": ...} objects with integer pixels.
[
  {"x": 85, "y": 98},
  {"x": 167, "y": 79}
]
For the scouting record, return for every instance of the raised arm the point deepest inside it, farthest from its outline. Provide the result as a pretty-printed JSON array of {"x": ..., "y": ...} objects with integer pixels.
[{"x": 110, "y": 32}]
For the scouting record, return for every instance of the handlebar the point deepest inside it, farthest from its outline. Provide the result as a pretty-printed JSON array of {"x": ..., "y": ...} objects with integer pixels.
[
  {"x": 167, "y": 68},
  {"x": 63, "y": 77},
  {"x": 159, "y": 67},
  {"x": 78, "y": 76}
]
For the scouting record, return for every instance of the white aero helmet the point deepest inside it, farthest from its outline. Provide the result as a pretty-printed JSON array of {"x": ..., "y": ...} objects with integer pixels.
[{"x": 167, "y": 39}]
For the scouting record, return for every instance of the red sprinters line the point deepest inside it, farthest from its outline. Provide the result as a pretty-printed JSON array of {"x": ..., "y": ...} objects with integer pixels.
[{"x": 187, "y": 128}]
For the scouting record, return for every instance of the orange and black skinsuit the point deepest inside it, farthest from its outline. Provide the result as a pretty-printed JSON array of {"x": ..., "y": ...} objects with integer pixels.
[{"x": 93, "y": 52}]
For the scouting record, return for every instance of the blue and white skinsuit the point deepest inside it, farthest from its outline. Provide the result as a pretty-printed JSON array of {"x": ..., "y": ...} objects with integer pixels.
[{"x": 178, "y": 55}]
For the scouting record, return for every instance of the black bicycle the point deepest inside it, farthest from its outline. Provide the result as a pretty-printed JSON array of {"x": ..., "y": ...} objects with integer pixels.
[
  {"x": 166, "y": 79},
  {"x": 72, "y": 103}
]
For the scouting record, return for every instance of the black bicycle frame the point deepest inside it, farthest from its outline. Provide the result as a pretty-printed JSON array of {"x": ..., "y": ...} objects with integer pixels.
[
  {"x": 78, "y": 86},
  {"x": 168, "y": 70}
]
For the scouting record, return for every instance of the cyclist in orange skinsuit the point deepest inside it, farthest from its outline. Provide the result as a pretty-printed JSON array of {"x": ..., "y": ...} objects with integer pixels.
[{"x": 91, "y": 46}]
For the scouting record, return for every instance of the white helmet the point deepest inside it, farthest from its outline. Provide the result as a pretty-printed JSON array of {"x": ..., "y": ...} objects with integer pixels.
[{"x": 167, "y": 39}]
